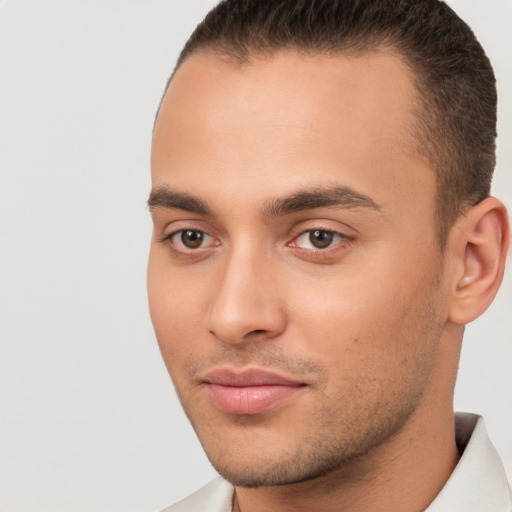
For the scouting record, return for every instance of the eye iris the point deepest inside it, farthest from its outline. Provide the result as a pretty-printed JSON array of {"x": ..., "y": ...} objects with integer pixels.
[
  {"x": 192, "y": 239},
  {"x": 321, "y": 239}
]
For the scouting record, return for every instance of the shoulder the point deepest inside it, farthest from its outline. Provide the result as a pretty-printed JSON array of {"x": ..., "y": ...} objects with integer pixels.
[{"x": 217, "y": 496}]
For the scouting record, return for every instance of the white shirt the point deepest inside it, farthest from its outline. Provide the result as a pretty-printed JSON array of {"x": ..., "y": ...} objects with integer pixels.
[{"x": 478, "y": 483}]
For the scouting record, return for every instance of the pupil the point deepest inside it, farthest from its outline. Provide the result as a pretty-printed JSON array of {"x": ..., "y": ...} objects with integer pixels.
[
  {"x": 191, "y": 239},
  {"x": 321, "y": 239}
]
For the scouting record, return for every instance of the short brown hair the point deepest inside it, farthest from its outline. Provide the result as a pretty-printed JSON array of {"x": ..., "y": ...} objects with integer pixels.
[{"x": 456, "y": 84}]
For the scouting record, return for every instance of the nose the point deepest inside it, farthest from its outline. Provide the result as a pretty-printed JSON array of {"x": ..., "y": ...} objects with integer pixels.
[{"x": 246, "y": 303}]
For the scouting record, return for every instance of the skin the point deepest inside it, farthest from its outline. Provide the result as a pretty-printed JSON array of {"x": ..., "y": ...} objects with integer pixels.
[{"x": 370, "y": 325}]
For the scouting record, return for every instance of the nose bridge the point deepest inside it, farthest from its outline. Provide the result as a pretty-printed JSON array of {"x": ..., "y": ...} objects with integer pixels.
[{"x": 245, "y": 301}]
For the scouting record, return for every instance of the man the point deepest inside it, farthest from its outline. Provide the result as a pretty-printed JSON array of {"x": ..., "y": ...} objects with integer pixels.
[{"x": 323, "y": 231}]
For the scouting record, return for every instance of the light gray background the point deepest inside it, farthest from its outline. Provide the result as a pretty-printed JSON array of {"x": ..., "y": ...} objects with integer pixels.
[{"x": 89, "y": 420}]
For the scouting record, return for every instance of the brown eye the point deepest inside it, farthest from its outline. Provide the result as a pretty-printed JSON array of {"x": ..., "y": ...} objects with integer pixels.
[
  {"x": 189, "y": 242},
  {"x": 321, "y": 239},
  {"x": 191, "y": 238}
]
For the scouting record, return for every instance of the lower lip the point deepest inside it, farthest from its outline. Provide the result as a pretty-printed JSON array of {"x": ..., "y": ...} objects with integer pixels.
[{"x": 249, "y": 399}]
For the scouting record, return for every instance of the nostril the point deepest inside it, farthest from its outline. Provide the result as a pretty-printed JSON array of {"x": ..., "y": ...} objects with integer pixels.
[
  {"x": 231, "y": 338},
  {"x": 258, "y": 331}
]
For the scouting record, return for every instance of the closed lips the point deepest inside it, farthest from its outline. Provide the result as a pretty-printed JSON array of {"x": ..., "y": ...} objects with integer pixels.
[{"x": 249, "y": 392}]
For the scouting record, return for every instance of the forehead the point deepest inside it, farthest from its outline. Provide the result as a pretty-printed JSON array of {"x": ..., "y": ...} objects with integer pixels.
[
  {"x": 291, "y": 117},
  {"x": 289, "y": 87}
]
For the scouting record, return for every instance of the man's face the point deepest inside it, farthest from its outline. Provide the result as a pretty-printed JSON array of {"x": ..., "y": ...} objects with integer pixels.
[{"x": 295, "y": 283}]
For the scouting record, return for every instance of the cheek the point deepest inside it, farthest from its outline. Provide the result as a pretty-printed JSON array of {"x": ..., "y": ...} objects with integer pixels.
[
  {"x": 367, "y": 323},
  {"x": 175, "y": 300},
  {"x": 345, "y": 306}
]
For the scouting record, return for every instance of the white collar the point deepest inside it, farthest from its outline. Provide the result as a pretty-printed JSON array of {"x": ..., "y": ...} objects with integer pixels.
[{"x": 478, "y": 482}]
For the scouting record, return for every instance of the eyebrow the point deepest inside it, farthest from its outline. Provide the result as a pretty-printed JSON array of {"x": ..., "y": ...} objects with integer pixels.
[
  {"x": 163, "y": 197},
  {"x": 307, "y": 199},
  {"x": 320, "y": 197}
]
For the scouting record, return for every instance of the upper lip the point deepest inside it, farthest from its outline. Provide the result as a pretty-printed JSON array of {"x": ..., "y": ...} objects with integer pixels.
[{"x": 247, "y": 378}]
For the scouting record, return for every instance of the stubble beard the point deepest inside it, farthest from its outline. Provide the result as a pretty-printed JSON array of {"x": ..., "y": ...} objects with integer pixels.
[
  {"x": 331, "y": 449},
  {"x": 339, "y": 437},
  {"x": 336, "y": 442}
]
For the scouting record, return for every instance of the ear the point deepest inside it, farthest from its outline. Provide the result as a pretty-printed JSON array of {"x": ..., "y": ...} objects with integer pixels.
[{"x": 477, "y": 247}]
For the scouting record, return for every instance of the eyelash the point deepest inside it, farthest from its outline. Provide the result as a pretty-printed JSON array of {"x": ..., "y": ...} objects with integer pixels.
[
  {"x": 184, "y": 252},
  {"x": 343, "y": 242}
]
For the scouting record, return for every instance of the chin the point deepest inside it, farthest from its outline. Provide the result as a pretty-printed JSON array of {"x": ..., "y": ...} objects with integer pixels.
[
  {"x": 275, "y": 460},
  {"x": 250, "y": 473},
  {"x": 262, "y": 452}
]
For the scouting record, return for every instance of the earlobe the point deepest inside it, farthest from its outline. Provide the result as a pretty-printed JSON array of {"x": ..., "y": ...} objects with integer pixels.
[{"x": 478, "y": 243}]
